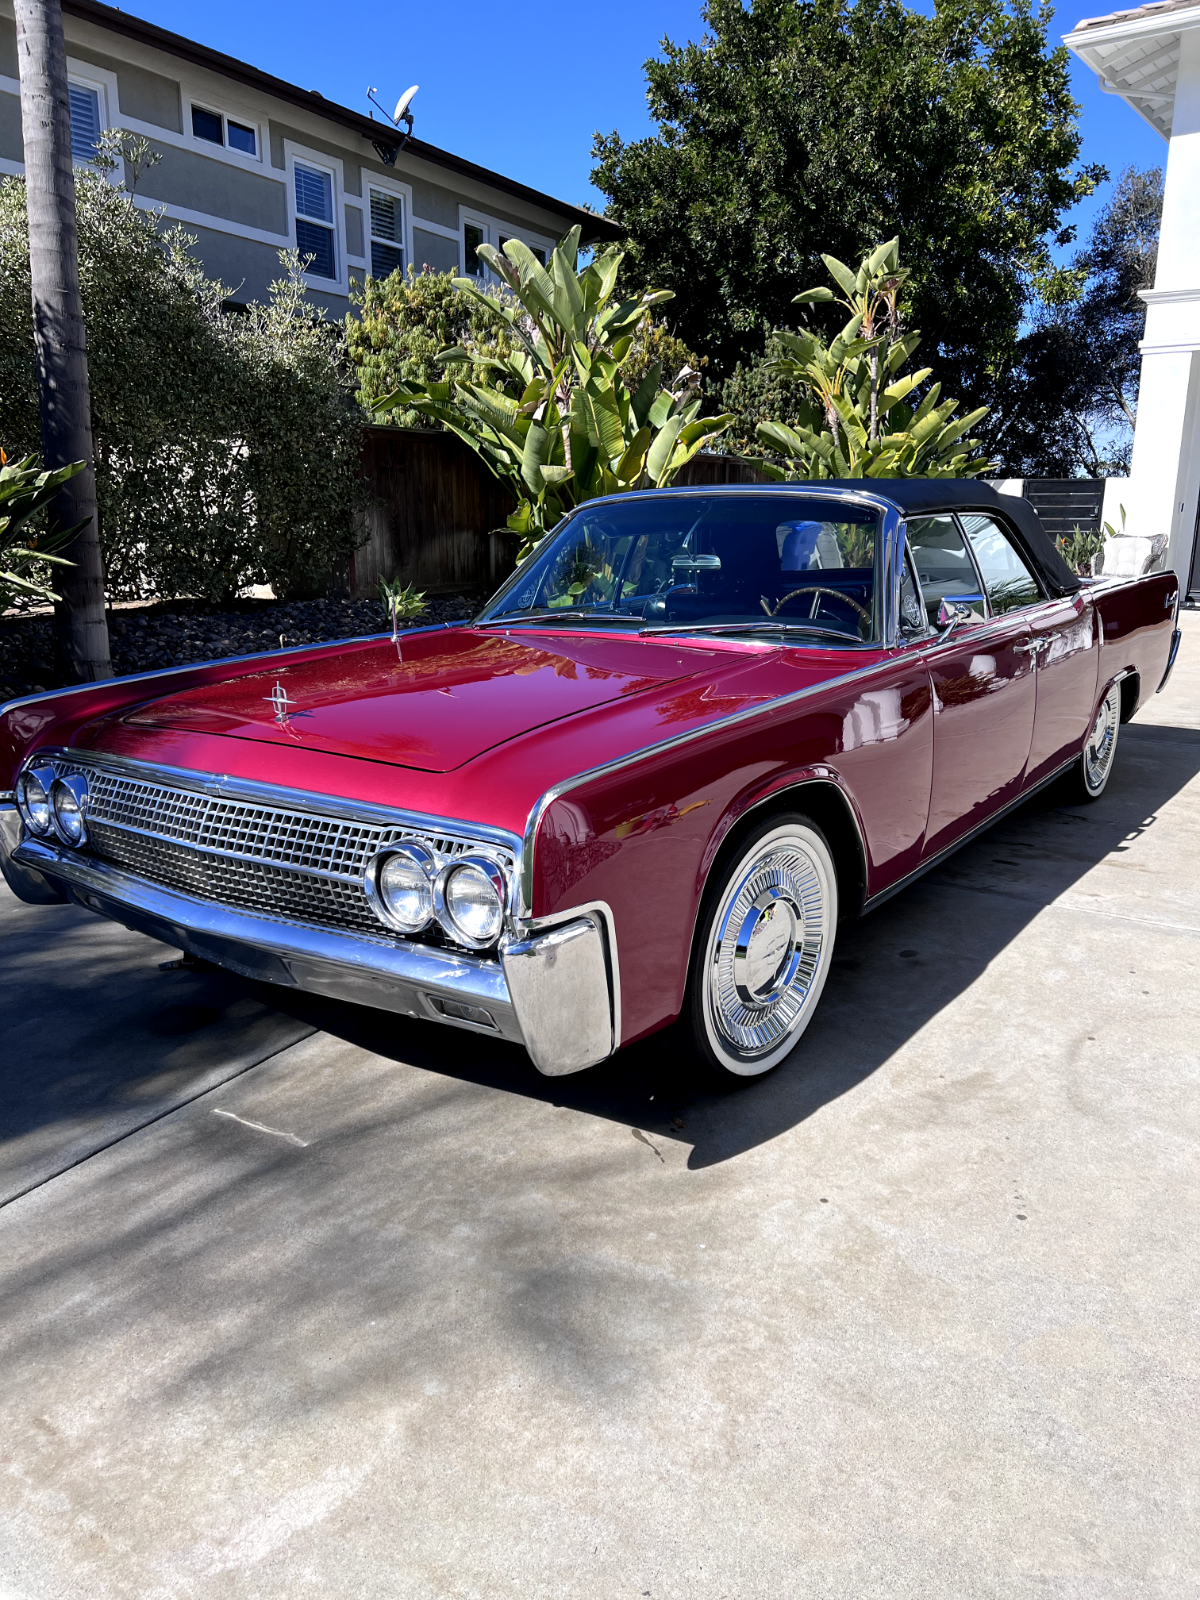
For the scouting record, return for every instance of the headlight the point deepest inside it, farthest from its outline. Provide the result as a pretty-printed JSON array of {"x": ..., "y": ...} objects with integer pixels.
[
  {"x": 471, "y": 893},
  {"x": 399, "y": 886},
  {"x": 33, "y": 798},
  {"x": 68, "y": 800}
]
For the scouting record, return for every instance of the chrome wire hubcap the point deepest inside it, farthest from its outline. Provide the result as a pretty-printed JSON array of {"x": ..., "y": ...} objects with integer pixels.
[
  {"x": 767, "y": 944},
  {"x": 1102, "y": 742}
]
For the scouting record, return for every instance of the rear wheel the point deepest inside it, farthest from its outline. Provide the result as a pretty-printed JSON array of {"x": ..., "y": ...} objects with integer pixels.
[
  {"x": 763, "y": 949},
  {"x": 1094, "y": 767}
]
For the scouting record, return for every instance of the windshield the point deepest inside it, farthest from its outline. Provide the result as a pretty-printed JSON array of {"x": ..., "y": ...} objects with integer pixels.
[{"x": 769, "y": 562}]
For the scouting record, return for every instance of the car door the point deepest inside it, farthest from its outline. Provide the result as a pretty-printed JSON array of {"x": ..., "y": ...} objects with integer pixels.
[
  {"x": 982, "y": 676},
  {"x": 1063, "y": 642}
]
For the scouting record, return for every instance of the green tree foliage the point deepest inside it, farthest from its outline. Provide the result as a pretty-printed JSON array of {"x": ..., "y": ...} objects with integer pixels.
[
  {"x": 227, "y": 445},
  {"x": 554, "y": 418},
  {"x": 761, "y": 391},
  {"x": 404, "y": 322},
  {"x": 1068, "y": 403},
  {"x": 855, "y": 420},
  {"x": 25, "y": 555},
  {"x": 802, "y": 126}
]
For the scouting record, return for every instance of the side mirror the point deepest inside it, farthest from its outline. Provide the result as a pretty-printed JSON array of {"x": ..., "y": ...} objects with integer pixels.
[{"x": 952, "y": 612}]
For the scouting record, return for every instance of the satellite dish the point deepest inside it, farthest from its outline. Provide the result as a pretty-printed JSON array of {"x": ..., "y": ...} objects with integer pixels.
[{"x": 402, "y": 104}]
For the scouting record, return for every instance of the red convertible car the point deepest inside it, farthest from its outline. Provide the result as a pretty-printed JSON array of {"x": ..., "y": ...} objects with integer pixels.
[{"x": 695, "y": 729}]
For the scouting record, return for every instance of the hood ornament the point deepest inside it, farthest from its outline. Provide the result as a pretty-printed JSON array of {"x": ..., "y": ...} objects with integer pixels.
[{"x": 278, "y": 700}]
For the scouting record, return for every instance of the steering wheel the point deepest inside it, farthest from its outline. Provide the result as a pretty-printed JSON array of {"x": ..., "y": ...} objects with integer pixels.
[{"x": 817, "y": 590}]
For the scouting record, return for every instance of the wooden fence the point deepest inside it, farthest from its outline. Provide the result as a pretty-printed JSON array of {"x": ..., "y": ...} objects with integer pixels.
[{"x": 437, "y": 507}]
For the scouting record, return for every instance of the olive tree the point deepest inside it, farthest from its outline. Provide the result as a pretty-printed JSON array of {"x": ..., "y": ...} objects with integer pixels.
[{"x": 227, "y": 442}]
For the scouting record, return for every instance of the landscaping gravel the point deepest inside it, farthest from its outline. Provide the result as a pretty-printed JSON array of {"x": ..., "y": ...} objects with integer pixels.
[{"x": 169, "y": 633}]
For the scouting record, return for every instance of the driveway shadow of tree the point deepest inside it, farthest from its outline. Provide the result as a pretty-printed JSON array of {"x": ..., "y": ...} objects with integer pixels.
[{"x": 892, "y": 972}]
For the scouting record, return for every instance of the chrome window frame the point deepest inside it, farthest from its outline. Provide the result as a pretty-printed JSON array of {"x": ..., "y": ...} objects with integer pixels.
[{"x": 885, "y": 602}]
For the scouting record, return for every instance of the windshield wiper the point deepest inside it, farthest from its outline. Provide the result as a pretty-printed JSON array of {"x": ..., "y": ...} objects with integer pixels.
[
  {"x": 559, "y": 614},
  {"x": 767, "y": 625}
]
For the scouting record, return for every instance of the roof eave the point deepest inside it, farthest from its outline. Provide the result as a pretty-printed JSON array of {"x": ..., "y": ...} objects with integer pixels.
[{"x": 594, "y": 227}]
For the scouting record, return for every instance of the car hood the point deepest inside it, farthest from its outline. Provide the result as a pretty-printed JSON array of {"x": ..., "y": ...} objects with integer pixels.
[{"x": 429, "y": 701}]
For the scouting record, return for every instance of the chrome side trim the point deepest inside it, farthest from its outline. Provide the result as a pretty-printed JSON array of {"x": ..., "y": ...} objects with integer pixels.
[
  {"x": 276, "y": 795},
  {"x": 1175, "y": 638},
  {"x": 967, "y": 838},
  {"x": 556, "y": 792},
  {"x": 401, "y": 977},
  {"x": 220, "y": 661}
]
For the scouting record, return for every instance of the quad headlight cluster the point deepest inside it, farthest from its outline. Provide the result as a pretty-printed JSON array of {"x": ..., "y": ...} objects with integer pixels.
[
  {"x": 51, "y": 805},
  {"x": 410, "y": 888}
]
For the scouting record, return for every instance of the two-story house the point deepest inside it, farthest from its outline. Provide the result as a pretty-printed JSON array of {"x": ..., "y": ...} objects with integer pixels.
[{"x": 251, "y": 165}]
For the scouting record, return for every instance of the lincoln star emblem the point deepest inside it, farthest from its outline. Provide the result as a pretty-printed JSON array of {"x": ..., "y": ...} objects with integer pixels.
[{"x": 278, "y": 698}]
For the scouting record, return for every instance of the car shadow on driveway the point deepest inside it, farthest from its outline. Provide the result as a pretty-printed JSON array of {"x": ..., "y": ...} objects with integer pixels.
[{"x": 892, "y": 973}]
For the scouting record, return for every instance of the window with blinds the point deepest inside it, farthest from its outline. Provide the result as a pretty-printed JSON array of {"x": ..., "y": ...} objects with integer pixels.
[
  {"x": 314, "y": 221},
  {"x": 85, "y": 121},
  {"x": 387, "y": 233}
]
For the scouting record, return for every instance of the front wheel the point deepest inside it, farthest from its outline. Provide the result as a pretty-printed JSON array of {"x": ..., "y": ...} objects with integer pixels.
[
  {"x": 1094, "y": 767},
  {"x": 763, "y": 949}
]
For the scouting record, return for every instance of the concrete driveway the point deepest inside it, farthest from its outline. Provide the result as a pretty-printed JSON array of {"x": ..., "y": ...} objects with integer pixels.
[{"x": 301, "y": 1300}]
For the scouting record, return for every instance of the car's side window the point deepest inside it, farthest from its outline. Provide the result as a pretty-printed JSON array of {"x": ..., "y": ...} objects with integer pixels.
[
  {"x": 1007, "y": 580},
  {"x": 944, "y": 566}
]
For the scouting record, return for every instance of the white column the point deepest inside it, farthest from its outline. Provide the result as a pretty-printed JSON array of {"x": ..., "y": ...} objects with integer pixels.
[{"x": 1165, "y": 474}]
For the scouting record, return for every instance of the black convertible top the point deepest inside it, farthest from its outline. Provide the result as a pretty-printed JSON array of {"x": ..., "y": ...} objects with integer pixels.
[{"x": 916, "y": 495}]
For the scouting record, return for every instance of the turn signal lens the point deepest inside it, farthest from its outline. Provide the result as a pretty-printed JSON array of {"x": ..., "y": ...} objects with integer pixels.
[
  {"x": 33, "y": 798},
  {"x": 474, "y": 900},
  {"x": 400, "y": 887},
  {"x": 68, "y": 798}
]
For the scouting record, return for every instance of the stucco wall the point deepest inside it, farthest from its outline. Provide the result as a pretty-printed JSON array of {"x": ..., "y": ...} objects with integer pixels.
[
  {"x": 434, "y": 251},
  {"x": 188, "y": 179}
]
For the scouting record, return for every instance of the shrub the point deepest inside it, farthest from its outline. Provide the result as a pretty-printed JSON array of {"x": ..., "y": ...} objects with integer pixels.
[
  {"x": 856, "y": 422},
  {"x": 27, "y": 556},
  {"x": 227, "y": 444},
  {"x": 405, "y": 320},
  {"x": 555, "y": 419}
]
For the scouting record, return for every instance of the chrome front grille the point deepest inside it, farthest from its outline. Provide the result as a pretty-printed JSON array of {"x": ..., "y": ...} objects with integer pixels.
[{"x": 282, "y": 862}]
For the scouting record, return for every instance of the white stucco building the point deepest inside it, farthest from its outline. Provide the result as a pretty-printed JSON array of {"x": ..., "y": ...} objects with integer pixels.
[{"x": 1150, "y": 57}]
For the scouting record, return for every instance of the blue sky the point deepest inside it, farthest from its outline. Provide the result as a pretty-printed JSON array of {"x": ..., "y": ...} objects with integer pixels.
[{"x": 526, "y": 104}]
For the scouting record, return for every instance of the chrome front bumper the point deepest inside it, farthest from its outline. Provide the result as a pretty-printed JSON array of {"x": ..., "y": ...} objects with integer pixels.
[{"x": 551, "y": 991}]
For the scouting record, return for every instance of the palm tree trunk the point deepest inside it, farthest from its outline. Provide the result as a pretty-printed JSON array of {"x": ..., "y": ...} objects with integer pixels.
[{"x": 59, "y": 334}]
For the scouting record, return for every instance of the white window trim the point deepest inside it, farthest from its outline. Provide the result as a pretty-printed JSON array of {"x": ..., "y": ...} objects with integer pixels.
[
  {"x": 493, "y": 227},
  {"x": 323, "y": 163},
  {"x": 219, "y": 109},
  {"x": 402, "y": 192},
  {"x": 105, "y": 85}
]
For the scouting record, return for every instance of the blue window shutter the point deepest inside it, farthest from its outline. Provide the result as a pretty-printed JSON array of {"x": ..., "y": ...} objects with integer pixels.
[
  {"x": 314, "y": 194},
  {"x": 385, "y": 259},
  {"x": 387, "y": 219},
  {"x": 85, "y": 121},
  {"x": 317, "y": 242}
]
